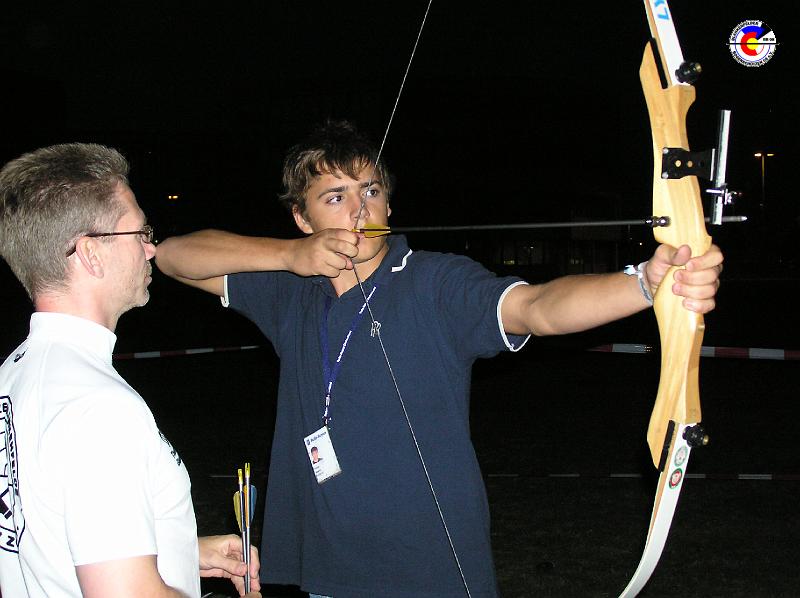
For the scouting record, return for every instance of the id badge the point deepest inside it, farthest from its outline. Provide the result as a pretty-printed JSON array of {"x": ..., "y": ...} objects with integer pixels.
[{"x": 321, "y": 455}]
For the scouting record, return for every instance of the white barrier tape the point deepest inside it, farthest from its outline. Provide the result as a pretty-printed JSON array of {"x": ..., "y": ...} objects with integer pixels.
[
  {"x": 768, "y": 477},
  {"x": 722, "y": 352},
  {"x": 719, "y": 352},
  {"x": 179, "y": 352}
]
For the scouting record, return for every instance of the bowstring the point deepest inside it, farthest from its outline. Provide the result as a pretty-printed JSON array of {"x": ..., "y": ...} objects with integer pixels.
[
  {"x": 394, "y": 108},
  {"x": 376, "y": 326}
]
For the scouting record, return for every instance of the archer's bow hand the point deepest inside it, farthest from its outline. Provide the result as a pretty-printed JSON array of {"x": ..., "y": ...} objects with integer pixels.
[
  {"x": 696, "y": 279},
  {"x": 325, "y": 253}
]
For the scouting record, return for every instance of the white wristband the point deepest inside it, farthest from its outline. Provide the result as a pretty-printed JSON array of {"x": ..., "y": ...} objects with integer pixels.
[{"x": 630, "y": 270}]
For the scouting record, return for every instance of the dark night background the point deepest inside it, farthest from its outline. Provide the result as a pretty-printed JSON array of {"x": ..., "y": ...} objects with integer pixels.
[{"x": 513, "y": 112}]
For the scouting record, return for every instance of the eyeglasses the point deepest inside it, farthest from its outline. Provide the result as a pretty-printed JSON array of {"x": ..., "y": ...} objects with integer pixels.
[{"x": 147, "y": 233}]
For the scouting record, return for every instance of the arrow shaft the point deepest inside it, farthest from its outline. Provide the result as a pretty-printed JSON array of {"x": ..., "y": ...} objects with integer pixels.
[{"x": 525, "y": 226}]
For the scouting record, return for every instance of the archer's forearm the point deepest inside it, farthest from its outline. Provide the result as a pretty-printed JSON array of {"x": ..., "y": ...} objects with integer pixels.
[
  {"x": 572, "y": 304},
  {"x": 209, "y": 254}
]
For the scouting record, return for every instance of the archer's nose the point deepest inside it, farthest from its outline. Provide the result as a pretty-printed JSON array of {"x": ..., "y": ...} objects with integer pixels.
[{"x": 359, "y": 212}]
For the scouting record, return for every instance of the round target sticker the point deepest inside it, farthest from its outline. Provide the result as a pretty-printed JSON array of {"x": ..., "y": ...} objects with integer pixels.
[{"x": 752, "y": 43}]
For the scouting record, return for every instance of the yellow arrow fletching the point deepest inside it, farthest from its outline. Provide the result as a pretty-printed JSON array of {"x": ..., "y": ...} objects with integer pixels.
[
  {"x": 237, "y": 502},
  {"x": 373, "y": 230}
]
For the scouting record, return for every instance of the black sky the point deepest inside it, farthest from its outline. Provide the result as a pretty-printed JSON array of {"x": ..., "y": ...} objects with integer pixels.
[{"x": 511, "y": 110}]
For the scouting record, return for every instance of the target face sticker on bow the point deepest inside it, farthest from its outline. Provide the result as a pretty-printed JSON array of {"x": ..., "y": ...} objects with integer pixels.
[{"x": 752, "y": 43}]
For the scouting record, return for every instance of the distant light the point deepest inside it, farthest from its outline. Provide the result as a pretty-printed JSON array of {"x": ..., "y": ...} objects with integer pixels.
[{"x": 172, "y": 197}]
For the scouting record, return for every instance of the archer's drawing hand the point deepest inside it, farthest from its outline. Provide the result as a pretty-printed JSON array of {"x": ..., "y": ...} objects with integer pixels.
[
  {"x": 326, "y": 252},
  {"x": 697, "y": 281}
]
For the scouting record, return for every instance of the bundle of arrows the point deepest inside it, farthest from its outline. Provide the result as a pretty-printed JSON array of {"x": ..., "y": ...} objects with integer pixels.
[{"x": 244, "y": 502}]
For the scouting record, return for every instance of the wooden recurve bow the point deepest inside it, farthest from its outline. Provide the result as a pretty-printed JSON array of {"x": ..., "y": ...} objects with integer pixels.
[{"x": 674, "y": 424}]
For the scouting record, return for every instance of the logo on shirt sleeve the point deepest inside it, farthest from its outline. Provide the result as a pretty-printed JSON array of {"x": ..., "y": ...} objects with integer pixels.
[
  {"x": 172, "y": 450},
  {"x": 12, "y": 521}
]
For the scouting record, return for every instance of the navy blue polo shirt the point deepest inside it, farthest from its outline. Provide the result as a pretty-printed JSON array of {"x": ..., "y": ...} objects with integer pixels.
[{"x": 374, "y": 529}]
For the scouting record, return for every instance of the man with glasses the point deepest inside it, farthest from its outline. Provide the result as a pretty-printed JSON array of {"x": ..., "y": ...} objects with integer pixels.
[
  {"x": 75, "y": 237},
  {"x": 147, "y": 233}
]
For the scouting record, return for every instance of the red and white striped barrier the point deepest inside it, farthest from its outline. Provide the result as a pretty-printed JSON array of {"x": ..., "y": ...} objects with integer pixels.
[
  {"x": 725, "y": 352},
  {"x": 721, "y": 352},
  {"x": 743, "y": 477},
  {"x": 179, "y": 352},
  {"x": 761, "y": 477}
]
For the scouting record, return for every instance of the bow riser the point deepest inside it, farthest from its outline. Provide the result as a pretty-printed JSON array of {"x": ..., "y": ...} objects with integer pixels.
[
  {"x": 681, "y": 331},
  {"x": 678, "y": 397}
]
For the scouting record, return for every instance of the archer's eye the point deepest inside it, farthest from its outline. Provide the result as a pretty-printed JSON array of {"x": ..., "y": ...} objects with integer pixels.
[
  {"x": 372, "y": 192},
  {"x": 335, "y": 199}
]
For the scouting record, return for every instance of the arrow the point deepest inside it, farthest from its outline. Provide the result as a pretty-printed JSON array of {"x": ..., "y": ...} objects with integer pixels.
[{"x": 371, "y": 231}]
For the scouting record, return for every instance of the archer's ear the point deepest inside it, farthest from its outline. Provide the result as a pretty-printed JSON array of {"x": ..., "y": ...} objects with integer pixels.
[
  {"x": 87, "y": 252},
  {"x": 388, "y": 209},
  {"x": 301, "y": 222}
]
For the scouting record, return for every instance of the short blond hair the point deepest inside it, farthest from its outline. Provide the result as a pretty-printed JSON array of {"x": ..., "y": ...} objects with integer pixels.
[{"x": 49, "y": 198}]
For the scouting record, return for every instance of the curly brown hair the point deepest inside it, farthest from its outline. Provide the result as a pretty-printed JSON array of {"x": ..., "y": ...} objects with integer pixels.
[{"x": 334, "y": 146}]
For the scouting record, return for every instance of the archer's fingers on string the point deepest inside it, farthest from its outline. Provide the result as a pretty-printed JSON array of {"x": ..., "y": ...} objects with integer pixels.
[
  {"x": 340, "y": 235},
  {"x": 332, "y": 270},
  {"x": 343, "y": 247},
  {"x": 340, "y": 262}
]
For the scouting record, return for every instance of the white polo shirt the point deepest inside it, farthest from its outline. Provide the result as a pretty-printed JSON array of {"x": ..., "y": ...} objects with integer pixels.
[{"x": 95, "y": 479}]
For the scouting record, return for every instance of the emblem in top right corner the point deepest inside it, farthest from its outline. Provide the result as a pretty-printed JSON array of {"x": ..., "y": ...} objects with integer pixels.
[{"x": 752, "y": 43}]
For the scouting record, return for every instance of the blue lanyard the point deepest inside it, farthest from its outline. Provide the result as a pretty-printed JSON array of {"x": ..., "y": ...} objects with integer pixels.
[{"x": 331, "y": 373}]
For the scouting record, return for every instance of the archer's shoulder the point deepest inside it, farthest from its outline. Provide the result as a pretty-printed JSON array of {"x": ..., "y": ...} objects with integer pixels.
[{"x": 428, "y": 265}]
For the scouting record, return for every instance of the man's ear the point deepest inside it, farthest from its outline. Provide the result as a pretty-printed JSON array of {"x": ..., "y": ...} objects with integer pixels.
[
  {"x": 87, "y": 251},
  {"x": 388, "y": 209},
  {"x": 300, "y": 221}
]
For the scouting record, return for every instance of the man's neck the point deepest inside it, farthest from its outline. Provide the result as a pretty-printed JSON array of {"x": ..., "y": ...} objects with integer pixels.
[
  {"x": 347, "y": 279},
  {"x": 70, "y": 305}
]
